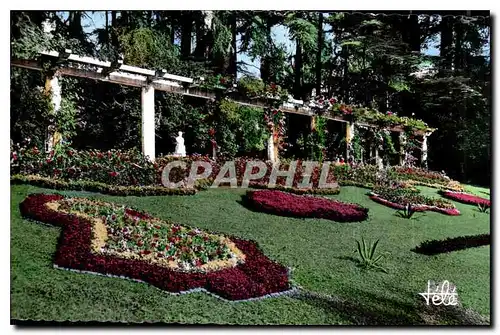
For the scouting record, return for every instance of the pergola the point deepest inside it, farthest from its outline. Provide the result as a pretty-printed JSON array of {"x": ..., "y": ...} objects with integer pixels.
[{"x": 67, "y": 64}]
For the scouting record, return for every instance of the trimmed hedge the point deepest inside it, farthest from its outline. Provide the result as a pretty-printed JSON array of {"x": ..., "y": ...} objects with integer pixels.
[
  {"x": 92, "y": 186},
  {"x": 434, "y": 247}
]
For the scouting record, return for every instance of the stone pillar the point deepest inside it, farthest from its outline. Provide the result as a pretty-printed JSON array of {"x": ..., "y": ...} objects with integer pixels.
[
  {"x": 402, "y": 152},
  {"x": 53, "y": 90},
  {"x": 378, "y": 159},
  {"x": 148, "y": 121},
  {"x": 424, "y": 151},
  {"x": 349, "y": 134},
  {"x": 270, "y": 148}
]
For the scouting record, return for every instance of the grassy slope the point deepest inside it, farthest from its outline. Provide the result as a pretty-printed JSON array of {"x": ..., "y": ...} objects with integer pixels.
[{"x": 319, "y": 251}]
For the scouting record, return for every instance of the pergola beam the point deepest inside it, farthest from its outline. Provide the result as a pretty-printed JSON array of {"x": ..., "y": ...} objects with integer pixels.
[
  {"x": 172, "y": 85},
  {"x": 150, "y": 80}
]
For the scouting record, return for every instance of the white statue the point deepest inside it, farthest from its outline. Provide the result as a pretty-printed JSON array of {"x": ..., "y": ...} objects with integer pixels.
[{"x": 180, "y": 149}]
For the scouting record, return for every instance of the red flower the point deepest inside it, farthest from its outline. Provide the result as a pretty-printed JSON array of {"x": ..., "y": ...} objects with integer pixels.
[
  {"x": 100, "y": 155},
  {"x": 333, "y": 100},
  {"x": 70, "y": 153},
  {"x": 211, "y": 132},
  {"x": 258, "y": 277},
  {"x": 466, "y": 198},
  {"x": 113, "y": 174},
  {"x": 14, "y": 156},
  {"x": 273, "y": 86},
  {"x": 287, "y": 204}
]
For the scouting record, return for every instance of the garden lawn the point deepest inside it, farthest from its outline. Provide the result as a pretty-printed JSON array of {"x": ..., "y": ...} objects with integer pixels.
[{"x": 319, "y": 251}]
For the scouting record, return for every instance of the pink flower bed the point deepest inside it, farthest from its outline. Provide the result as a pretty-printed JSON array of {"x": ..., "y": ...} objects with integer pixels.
[
  {"x": 287, "y": 204},
  {"x": 465, "y": 198},
  {"x": 417, "y": 208},
  {"x": 257, "y": 277}
]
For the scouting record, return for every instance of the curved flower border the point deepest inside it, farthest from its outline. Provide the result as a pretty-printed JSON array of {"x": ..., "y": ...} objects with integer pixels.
[
  {"x": 288, "y": 204},
  {"x": 418, "y": 208},
  {"x": 465, "y": 198},
  {"x": 258, "y": 277}
]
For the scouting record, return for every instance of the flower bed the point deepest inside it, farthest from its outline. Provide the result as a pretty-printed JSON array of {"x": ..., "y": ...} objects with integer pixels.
[
  {"x": 113, "y": 240},
  {"x": 116, "y": 168},
  {"x": 299, "y": 191},
  {"x": 465, "y": 198},
  {"x": 423, "y": 177},
  {"x": 286, "y": 204},
  {"x": 398, "y": 198},
  {"x": 435, "y": 247}
]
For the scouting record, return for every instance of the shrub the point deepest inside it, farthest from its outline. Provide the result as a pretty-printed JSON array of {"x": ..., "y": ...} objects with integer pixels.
[
  {"x": 286, "y": 204},
  {"x": 435, "y": 247},
  {"x": 91, "y": 186}
]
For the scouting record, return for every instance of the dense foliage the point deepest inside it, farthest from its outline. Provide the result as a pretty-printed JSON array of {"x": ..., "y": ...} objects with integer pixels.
[{"x": 361, "y": 62}]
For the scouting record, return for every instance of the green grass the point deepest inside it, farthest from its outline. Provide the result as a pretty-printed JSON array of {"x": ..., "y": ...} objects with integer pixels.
[{"x": 320, "y": 252}]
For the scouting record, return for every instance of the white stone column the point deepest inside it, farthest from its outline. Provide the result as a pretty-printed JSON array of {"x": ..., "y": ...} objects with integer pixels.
[
  {"x": 424, "y": 151},
  {"x": 270, "y": 148},
  {"x": 378, "y": 159},
  {"x": 53, "y": 89},
  {"x": 402, "y": 152},
  {"x": 349, "y": 134},
  {"x": 148, "y": 121}
]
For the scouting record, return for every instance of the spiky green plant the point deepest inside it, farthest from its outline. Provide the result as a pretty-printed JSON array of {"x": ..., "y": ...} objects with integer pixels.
[
  {"x": 483, "y": 207},
  {"x": 368, "y": 259},
  {"x": 407, "y": 212}
]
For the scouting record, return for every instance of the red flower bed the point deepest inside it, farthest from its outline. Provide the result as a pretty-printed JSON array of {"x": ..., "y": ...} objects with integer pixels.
[
  {"x": 417, "y": 208},
  {"x": 258, "y": 276},
  {"x": 465, "y": 198},
  {"x": 287, "y": 204}
]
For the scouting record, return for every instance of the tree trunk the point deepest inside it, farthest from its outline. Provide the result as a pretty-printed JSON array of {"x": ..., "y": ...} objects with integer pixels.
[
  {"x": 446, "y": 42},
  {"x": 297, "y": 86},
  {"x": 107, "y": 28},
  {"x": 459, "y": 39},
  {"x": 265, "y": 66},
  {"x": 233, "y": 57},
  {"x": 345, "y": 79},
  {"x": 412, "y": 36},
  {"x": 318, "y": 55},
  {"x": 187, "y": 29},
  {"x": 75, "y": 25},
  {"x": 200, "y": 48}
]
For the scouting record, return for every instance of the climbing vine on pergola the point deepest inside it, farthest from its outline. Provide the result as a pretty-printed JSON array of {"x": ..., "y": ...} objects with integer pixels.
[{"x": 273, "y": 100}]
